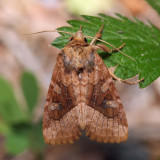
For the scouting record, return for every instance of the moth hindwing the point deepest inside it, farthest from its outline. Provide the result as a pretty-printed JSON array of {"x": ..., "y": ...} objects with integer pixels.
[{"x": 82, "y": 97}]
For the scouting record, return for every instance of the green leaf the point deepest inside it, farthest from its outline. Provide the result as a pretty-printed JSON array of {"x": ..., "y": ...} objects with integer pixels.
[
  {"x": 4, "y": 128},
  {"x": 10, "y": 111},
  {"x": 142, "y": 44},
  {"x": 60, "y": 42},
  {"x": 17, "y": 143},
  {"x": 155, "y": 4},
  {"x": 24, "y": 136},
  {"x": 37, "y": 143},
  {"x": 30, "y": 89}
]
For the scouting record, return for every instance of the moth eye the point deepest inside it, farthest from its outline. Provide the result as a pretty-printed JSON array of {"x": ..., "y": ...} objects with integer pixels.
[
  {"x": 85, "y": 39},
  {"x": 71, "y": 39}
]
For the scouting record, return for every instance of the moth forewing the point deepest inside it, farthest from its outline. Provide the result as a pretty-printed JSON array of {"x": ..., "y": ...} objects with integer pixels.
[{"x": 82, "y": 97}]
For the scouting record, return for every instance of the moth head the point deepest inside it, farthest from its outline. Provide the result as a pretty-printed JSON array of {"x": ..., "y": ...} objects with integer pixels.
[{"x": 79, "y": 36}]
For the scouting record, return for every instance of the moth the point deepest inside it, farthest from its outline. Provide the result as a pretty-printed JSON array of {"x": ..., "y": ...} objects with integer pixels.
[{"x": 82, "y": 96}]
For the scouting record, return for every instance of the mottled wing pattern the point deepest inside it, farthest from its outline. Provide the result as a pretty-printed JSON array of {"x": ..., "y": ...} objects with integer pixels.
[
  {"x": 105, "y": 118},
  {"x": 60, "y": 124},
  {"x": 86, "y": 101}
]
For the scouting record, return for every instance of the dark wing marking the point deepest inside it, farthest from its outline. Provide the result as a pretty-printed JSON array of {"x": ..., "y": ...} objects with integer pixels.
[
  {"x": 59, "y": 121},
  {"x": 106, "y": 119}
]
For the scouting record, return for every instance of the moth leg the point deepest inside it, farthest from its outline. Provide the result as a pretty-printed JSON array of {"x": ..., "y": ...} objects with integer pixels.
[
  {"x": 106, "y": 49},
  {"x": 98, "y": 35},
  {"x": 124, "y": 81}
]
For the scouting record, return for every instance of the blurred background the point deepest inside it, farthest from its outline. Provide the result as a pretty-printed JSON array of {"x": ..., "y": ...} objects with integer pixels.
[{"x": 26, "y": 66}]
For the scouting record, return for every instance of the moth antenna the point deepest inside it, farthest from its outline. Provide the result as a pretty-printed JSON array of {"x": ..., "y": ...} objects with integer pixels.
[
  {"x": 84, "y": 36},
  {"x": 80, "y": 28},
  {"x": 49, "y": 31},
  {"x": 111, "y": 46}
]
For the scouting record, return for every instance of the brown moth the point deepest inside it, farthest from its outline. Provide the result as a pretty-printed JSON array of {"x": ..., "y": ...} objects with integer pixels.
[{"x": 82, "y": 97}]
